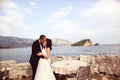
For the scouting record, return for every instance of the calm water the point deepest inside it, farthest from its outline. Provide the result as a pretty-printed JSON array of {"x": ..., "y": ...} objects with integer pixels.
[{"x": 23, "y": 54}]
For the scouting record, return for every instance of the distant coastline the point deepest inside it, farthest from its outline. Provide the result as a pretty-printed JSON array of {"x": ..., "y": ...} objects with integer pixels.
[
  {"x": 2, "y": 47},
  {"x": 8, "y": 42}
]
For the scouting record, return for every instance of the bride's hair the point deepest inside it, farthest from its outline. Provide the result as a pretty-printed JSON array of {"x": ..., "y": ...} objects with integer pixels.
[{"x": 49, "y": 43}]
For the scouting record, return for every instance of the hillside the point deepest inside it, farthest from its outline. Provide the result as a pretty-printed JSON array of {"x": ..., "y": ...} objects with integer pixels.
[
  {"x": 60, "y": 42},
  {"x": 15, "y": 42}
]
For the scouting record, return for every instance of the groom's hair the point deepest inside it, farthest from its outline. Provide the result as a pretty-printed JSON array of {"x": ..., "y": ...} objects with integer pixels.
[{"x": 42, "y": 36}]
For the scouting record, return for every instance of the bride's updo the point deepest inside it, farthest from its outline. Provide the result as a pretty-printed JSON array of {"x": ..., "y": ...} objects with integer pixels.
[{"x": 49, "y": 43}]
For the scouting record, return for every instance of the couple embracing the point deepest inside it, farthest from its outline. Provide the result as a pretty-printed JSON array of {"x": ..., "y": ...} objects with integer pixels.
[{"x": 40, "y": 59}]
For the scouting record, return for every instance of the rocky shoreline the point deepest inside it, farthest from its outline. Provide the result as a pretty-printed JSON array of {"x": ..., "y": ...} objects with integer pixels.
[{"x": 102, "y": 67}]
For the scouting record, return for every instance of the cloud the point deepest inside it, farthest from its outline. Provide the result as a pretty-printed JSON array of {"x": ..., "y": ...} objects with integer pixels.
[
  {"x": 59, "y": 21},
  {"x": 105, "y": 8},
  {"x": 103, "y": 20},
  {"x": 8, "y": 4},
  {"x": 56, "y": 16},
  {"x": 33, "y": 4},
  {"x": 28, "y": 10},
  {"x": 65, "y": 27},
  {"x": 11, "y": 16},
  {"x": 11, "y": 20},
  {"x": 103, "y": 15}
]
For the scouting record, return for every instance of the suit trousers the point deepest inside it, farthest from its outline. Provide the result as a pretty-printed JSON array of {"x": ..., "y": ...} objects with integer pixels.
[{"x": 34, "y": 68}]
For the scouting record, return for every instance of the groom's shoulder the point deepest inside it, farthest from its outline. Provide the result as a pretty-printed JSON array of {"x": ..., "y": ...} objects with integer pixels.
[{"x": 36, "y": 41}]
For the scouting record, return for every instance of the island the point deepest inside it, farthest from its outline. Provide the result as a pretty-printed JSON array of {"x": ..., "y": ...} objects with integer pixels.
[{"x": 84, "y": 42}]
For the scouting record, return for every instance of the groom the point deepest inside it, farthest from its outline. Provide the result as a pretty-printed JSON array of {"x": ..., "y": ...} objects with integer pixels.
[{"x": 36, "y": 53}]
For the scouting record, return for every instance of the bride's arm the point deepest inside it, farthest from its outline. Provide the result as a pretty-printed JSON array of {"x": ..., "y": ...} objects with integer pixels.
[{"x": 48, "y": 53}]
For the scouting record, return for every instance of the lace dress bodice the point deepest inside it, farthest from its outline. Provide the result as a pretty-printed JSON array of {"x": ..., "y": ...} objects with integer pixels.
[{"x": 44, "y": 51}]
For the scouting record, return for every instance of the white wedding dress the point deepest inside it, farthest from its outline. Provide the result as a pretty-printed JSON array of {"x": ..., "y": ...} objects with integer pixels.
[{"x": 44, "y": 71}]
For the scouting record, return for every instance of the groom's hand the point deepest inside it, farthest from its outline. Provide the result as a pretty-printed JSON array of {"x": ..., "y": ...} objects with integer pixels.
[{"x": 39, "y": 54}]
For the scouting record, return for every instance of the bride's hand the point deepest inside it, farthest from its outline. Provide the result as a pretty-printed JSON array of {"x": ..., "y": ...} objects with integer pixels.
[{"x": 44, "y": 56}]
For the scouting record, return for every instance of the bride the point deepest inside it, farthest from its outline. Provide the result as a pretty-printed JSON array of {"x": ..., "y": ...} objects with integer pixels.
[{"x": 44, "y": 71}]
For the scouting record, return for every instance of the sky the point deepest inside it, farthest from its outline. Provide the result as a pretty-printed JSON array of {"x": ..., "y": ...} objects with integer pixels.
[{"x": 73, "y": 20}]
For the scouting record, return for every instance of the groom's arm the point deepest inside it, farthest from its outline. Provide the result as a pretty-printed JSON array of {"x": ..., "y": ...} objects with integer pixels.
[
  {"x": 39, "y": 54},
  {"x": 36, "y": 49}
]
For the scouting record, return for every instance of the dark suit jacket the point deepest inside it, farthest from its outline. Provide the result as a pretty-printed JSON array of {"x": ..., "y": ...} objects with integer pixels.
[{"x": 35, "y": 49}]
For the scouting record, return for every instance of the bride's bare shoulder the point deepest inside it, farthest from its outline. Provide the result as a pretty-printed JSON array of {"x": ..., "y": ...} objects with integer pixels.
[{"x": 47, "y": 48}]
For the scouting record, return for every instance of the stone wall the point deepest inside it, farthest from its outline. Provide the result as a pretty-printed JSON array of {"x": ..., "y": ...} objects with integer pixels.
[
  {"x": 15, "y": 71},
  {"x": 105, "y": 65}
]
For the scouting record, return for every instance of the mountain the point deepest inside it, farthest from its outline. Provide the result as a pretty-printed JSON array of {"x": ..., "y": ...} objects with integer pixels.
[
  {"x": 84, "y": 42},
  {"x": 14, "y": 42},
  {"x": 60, "y": 42}
]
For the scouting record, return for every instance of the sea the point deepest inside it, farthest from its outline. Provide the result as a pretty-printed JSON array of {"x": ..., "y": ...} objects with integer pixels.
[{"x": 23, "y": 54}]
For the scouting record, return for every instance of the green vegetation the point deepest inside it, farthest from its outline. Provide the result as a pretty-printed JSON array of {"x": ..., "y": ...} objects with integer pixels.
[{"x": 96, "y": 44}]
